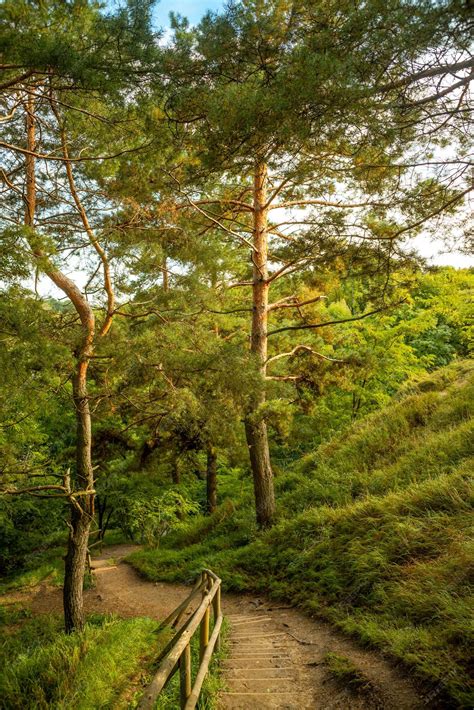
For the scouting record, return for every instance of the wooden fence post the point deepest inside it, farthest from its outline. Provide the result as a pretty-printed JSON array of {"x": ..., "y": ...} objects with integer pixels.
[
  {"x": 185, "y": 676},
  {"x": 204, "y": 634},
  {"x": 177, "y": 653},
  {"x": 216, "y": 605}
]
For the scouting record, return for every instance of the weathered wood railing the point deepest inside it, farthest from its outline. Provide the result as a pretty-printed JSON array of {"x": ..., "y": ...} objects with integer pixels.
[{"x": 177, "y": 653}]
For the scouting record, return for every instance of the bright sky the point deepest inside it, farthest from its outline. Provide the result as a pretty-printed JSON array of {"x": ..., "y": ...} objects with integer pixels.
[{"x": 192, "y": 10}]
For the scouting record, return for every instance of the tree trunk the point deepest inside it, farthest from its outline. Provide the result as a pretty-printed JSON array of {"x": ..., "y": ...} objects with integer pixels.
[
  {"x": 255, "y": 427},
  {"x": 175, "y": 472},
  {"x": 104, "y": 513},
  {"x": 74, "y": 571},
  {"x": 82, "y": 507},
  {"x": 211, "y": 479}
]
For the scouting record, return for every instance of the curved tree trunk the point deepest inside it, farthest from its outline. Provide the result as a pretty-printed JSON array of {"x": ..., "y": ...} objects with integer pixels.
[
  {"x": 81, "y": 498},
  {"x": 255, "y": 427}
]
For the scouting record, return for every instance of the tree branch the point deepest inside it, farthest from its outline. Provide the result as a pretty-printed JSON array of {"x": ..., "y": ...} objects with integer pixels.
[
  {"x": 296, "y": 304},
  {"x": 335, "y": 322},
  {"x": 283, "y": 378},
  {"x": 215, "y": 221},
  {"x": 324, "y": 203},
  {"x": 425, "y": 73},
  {"x": 445, "y": 92},
  {"x": 299, "y": 348},
  {"x": 41, "y": 156},
  {"x": 16, "y": 80}
]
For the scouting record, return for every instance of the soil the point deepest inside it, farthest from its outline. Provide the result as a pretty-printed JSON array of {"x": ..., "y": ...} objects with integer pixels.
[{"x": 277, "y": 655}]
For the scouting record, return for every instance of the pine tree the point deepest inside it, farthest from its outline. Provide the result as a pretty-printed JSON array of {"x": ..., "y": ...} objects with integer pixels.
[{"x": 63, "y": 97}]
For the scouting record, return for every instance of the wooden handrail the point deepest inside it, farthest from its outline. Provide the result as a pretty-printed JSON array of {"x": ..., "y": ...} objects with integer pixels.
[{"x": 177, "y": 653}]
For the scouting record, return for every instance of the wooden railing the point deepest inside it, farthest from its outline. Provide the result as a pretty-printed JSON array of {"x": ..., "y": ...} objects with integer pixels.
[{"x": 177, "y": 653}]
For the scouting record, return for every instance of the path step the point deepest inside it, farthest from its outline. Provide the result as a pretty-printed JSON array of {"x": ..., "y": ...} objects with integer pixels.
[
  {"x": 262, "y": 671},
  {"x": 264, "y": 701},
  {"x": 285, "y": 684},
  {"x": 258, "y": 636},
  {"x": 244, "y": 622},
  {"x": 257, "y": 663}
]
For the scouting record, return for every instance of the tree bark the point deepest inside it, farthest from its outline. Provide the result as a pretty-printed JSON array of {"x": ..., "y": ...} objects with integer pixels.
[
  {"x": 74, "y": 570},
  {"x": 82, "y": 511},
  {"x": 175, "y": 472},
  {"x": 255, "y": 426},
  {"x": 211, "y": 479}
]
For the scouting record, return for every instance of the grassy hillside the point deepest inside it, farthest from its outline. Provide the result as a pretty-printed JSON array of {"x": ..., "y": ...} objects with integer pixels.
[
  {"x": 373, "y": 533},
  {"x": 42, "y": 667}
]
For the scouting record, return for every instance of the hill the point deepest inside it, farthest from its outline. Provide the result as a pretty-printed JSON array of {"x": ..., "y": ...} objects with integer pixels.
[{"x": 373, "y": 533}]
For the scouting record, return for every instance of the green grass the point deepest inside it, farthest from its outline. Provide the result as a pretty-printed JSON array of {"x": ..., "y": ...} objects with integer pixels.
[
  {"x": 45, "y": 668},
  {"x": 43, "y": 564},
  {"x": 374, "y": 533},
  {"x": 347, "y": 674},
  {"x": 47, "y": 562}
]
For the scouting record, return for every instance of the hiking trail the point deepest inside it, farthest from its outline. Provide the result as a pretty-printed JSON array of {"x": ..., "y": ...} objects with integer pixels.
[{"x": 276, "y": 655}]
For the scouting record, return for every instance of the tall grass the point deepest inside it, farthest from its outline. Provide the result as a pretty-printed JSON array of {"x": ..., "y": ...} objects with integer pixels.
[{"x": 42, "y": 667}]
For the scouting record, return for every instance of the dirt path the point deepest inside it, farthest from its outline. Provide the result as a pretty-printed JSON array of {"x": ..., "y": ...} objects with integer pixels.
[
  {"x": 277, "y": 655},
  {"x": 118, "y": 590},
  {"x": 277, "y": 660}
]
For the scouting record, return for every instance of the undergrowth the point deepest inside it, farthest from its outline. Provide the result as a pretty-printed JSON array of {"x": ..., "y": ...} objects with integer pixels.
[{"x": 46, "y": 563}]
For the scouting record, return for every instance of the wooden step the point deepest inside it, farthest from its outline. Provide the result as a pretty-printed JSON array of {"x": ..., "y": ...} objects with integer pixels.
[
  {"x": 265, "y": 701},
  {"x": 256, "y": 663},
  {"x": 261, "y": 672},
  {"x": 285, "y": 684}
]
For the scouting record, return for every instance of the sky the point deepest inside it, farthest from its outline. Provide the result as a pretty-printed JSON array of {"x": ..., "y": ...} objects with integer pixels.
[{"x": 192, "y": 10}]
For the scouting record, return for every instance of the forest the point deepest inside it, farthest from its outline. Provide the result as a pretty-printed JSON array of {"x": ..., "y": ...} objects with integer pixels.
[{"x": 236, "y": 320}]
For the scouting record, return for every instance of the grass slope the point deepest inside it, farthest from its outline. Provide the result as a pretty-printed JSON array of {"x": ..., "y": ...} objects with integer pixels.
[
  {"x": 373, "y": 533},
  {"x": 42, "y": 667}
]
